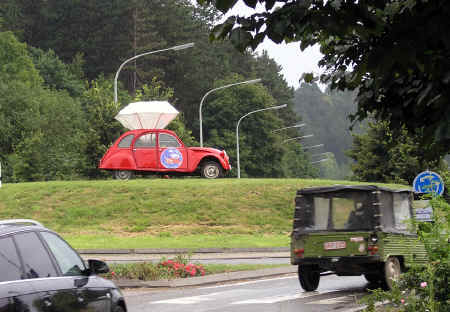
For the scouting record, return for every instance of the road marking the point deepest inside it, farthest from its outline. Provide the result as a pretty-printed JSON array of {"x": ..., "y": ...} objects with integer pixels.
[
  {"x": 276, "y": 299},
  {"x": 335, "y": 300},
  {"x": 247, "y": 283},
  {"x": 189, "y": 300}
]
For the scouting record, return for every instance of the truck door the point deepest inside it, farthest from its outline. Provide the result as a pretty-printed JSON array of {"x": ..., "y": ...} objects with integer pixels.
[
  {"x": 172, "y": 154},
  {"x": 145, "y": 151}
]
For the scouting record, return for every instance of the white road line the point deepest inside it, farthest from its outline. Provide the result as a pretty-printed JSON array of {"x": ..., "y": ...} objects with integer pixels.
[
  {"x": 335, "y": 300},
  {"x": 247, "y": 283},
  {"x": 275, "y": 299},
  {"x": 189, "y": 300}
]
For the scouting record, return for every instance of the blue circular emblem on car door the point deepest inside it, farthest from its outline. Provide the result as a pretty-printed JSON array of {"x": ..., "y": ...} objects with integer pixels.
[{"x": 171, "y": 158}]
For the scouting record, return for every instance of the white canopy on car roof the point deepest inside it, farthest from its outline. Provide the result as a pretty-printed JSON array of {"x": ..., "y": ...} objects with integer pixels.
[{"x": 147, "y": 115}]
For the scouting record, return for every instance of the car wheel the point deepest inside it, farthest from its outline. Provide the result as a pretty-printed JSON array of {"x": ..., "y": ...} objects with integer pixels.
[
  {"x": 211, "y": 170},
  {"x": 118, "y": 308},
  {"x": 309, "y": 277},
  {"x": 372, "y": 278},
  {"x": 392, "y": 271},
  {"x": 123, "y": 174}
]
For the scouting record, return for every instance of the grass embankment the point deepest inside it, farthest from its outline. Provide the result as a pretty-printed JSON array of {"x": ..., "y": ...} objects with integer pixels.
[{"x": 158, "y": 213}]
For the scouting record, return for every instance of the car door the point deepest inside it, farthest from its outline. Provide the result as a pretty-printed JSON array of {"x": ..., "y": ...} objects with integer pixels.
[
  {"x": 172, "y": 154},
  {"x": 91, "y": 294},
  {"x": 16, "y": 295},
  {"x": 55, "y": 293},
  {"x": 145, "y": 151}
]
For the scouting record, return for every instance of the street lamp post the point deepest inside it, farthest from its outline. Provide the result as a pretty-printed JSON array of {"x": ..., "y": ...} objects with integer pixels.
[
  {"x": 175, "y": 48},
  {"x": 299, "y": 138},
  {"x": 296, "y": 126},
  {"x": 312, "y": 146},
  {"x": 237, "y": 132},
  {"x": 319, "y": 161},
  {"x": 320, "y": 154},
  {"x": 210, "y": 91}
]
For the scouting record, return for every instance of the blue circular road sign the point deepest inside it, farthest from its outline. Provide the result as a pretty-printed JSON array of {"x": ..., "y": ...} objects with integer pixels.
[{"x": 428, "y": 182}]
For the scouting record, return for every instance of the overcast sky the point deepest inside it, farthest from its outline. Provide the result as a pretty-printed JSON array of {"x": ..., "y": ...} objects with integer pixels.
[{"x": 289, "y": 56}]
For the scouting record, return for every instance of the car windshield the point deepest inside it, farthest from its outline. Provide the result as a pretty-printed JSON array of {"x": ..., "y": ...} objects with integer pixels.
[{"x": 343, "y": 211}]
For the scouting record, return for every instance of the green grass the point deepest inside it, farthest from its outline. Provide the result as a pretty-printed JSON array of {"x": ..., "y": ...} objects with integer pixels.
[{"x": 153, "y": 213}]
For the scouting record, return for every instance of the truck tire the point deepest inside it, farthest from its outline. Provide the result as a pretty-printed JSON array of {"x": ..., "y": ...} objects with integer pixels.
[
  {"x": 392, "y": 270},
  {"x": 123, "y": 174},
  {"x": 309, "y": 277},
  {"x": 211, "y": 170}
]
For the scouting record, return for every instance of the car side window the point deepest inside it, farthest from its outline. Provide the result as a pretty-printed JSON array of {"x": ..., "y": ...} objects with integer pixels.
[
  {"x": 167, "y": 140},
  {"x": 126, "y": 141},
  {"x": 10, "y": 267},
  {"x": 146, "y": 141},
  {"x": 401, "y": 211},
  {"x": 36, "y": 260},
  {"x": 68, "y": 259}
]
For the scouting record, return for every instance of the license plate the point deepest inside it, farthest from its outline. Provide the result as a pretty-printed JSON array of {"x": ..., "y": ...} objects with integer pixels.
[{"x": 334, "y": 245}]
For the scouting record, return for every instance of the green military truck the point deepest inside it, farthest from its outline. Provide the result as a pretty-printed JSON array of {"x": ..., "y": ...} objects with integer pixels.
[{"x": 353, "y": 230}]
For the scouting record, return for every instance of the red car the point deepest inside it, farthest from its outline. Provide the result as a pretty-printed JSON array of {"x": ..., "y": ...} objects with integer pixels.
[{"x": 161, "y": 151}]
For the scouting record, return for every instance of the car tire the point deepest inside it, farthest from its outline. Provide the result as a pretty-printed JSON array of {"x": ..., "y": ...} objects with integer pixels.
[
  {"x": 211, "y": 170},
  {"x": 373, "y": 278},
  {"x": 123, "y": 174},
  {"x": 392, "y": 271},
  {"x": 118, "y": 308},
  {"x": 309, "y": 277}
]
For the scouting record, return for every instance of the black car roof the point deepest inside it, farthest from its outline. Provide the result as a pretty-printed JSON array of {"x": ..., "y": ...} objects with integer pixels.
[{"x": 336, "y": 188}]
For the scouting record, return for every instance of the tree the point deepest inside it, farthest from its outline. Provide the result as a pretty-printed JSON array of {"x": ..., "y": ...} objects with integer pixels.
[
  {"x": 326, "y": 116},
  {"x": 382, "y": 156},
  {"x": 260, "y": 151},
  {"x": 395, "y": 53}
]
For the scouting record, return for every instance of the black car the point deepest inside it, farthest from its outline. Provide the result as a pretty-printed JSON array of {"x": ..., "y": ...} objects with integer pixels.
[{"x": 39, "y": 271}]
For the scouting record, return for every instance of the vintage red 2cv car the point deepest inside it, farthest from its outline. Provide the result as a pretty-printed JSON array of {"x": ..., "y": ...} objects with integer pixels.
[{"x": 161, "y": 151}]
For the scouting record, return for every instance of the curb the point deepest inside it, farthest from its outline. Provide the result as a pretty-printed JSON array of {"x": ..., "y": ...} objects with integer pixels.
[
  {"x": 204, "y": 280},
  {"x": 182, "y": 250}
]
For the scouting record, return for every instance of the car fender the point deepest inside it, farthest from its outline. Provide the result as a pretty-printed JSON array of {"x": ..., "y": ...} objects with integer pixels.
[{"x": 119, "y": 161}]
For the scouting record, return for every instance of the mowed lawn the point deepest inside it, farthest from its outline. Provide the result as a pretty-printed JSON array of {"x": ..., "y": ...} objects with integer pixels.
[{"x": 161, "y": 213}]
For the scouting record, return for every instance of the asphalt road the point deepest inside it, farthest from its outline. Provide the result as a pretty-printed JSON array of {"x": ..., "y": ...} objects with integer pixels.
[{"x": 265, "y": 295}]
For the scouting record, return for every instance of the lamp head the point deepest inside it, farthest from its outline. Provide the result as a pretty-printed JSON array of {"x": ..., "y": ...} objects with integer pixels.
[{"x": 183, "y": 46}]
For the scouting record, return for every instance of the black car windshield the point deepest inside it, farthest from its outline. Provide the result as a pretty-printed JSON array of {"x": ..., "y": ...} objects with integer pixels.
[{"x": 343, "y": 211}]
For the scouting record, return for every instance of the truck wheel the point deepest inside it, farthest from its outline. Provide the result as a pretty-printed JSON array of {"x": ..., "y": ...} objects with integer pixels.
[
  {"x": 211, "y": 170},
  {"x": 392, "y": 270},
  {"x": 123, "y": 174},
  {"x": 309, "y": 277}
]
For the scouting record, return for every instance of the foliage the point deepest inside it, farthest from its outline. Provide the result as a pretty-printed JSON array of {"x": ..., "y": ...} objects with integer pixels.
[
  {"x": 56, "y": 74},
  {"x": 99, "y": 110},
  {"x": 165, "y": 269},
  {"x": 180, "y": 267},
  {"x": 326, "y": 116},
  {"x": 424, "y": 288},
  {"x": 36, "y": 123},
  {"x": 296, "y": 163},
  {"x": 260, "y": 153},
  {"x": 382, "y": 156},
  {"x": 48, "y": 152},
  {"x": 393, "y": 52}
]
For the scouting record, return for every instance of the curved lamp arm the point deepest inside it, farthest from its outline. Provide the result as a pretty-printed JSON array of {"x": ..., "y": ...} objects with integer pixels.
[{"x": 237, "y": 132}]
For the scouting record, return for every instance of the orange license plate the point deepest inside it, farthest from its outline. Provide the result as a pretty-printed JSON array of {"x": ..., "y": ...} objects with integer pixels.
[{"x": 334, "y": 245}]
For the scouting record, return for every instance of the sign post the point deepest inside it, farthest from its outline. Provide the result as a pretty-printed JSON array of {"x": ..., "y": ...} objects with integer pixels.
[{"x": 429, "y": 182}]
